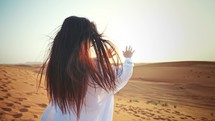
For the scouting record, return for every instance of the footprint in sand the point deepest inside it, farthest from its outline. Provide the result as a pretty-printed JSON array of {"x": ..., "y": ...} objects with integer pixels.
[
  {"x": 188, "y": 116},
  {"x": 143, "y": 118},
  {"x": 117, "y": 112},
  {"x": 18, "y": 115},
  {"x": 5, "y": 96},
  {"x": 8, "y": 82},
  {"x": 183, "y": 118},
  {"x": 42, "y": 105},
  {"x": 26, "y": 106},
  {"x": 13, "y": 79},
  {"x": 176, "y": 112},
  {"x": 17, "y": 102},
  {"x": 9, "y": 104},
  {"x": 21, "y": 99},
  {"x": 4, "y": 71},
  {"x": 29, "y": 93},
  {"x": 168, "y": 119},
  {"x": 7, "y": 109},
  {"x": 4, "y": 90},
  {"x": 5, "y": 75},
  {"x": 8, "y": 94},
  {"x": 35, "y": 116},
  {"x": 23, "y": 110},
  {"x": 1, "y": 87},
  {"x": 136, "y": 115}
]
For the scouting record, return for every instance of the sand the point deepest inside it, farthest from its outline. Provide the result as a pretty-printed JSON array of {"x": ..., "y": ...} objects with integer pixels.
[{"x": 176, "y": 91}]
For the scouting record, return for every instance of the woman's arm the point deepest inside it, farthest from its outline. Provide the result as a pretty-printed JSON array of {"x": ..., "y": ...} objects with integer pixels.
[{"x": 126, "y": 69}]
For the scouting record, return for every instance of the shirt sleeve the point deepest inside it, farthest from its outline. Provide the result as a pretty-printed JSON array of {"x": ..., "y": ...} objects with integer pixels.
[{"x": 125, "y": 73}]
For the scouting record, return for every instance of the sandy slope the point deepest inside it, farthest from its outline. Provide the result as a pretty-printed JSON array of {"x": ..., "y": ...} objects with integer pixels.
[
  {"x": 18, "y": 97},
  {"x": 166, "y": 91}
]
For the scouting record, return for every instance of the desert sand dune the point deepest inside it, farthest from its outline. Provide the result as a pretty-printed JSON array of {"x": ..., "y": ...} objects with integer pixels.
[{"x": 177, "y": 91}]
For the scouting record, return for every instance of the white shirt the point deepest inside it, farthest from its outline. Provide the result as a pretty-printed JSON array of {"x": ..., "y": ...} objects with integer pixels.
[{"x": 99, "y": 104}]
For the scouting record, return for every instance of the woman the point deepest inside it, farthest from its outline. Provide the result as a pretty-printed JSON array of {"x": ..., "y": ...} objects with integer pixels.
[{"x": 81, "y": 87}]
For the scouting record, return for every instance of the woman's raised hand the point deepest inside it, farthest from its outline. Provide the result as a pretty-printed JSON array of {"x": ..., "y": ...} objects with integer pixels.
[{"x": 128, "y": 52}]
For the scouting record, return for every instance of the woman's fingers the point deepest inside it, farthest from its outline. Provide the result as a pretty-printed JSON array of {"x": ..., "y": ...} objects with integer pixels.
[
  {"x": 128, "y": 52},
  {"x": 129, "y": 49}
]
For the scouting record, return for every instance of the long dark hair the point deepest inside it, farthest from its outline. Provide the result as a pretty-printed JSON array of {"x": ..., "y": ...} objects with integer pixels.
[{"x": 69, "y": 66}]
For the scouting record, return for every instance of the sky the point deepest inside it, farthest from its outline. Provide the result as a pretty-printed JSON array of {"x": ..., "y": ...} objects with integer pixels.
[{"x": 158, "y": 30}]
